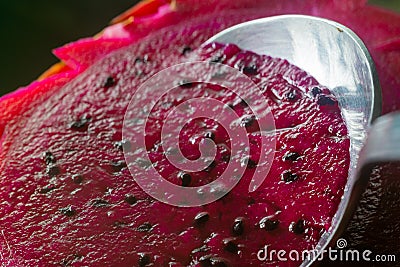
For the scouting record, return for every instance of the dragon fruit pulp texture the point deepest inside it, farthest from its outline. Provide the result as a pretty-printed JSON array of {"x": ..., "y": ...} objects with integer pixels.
[
  {"x": 25, "y": 115},
  {"x": 378, "y": 28},
  {"x": 80, "y": 205}
]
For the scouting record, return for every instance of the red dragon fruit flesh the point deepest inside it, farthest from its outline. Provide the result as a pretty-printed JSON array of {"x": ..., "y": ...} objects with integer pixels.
[
  {"x": 87, "y": 200},
  {"x": 69, "y": 197}
]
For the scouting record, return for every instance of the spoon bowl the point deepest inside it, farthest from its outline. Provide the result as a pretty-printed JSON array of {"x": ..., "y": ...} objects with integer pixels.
[{"x": 338, "y": 59}]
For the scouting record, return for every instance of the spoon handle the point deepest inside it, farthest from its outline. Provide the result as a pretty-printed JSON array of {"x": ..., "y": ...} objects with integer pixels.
[
  {"x": 383, "y": 142},
  {"x": 382, "y": 145}
]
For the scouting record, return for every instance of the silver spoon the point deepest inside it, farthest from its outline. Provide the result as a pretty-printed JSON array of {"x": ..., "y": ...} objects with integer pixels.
[{"x": 338, "y": 59}]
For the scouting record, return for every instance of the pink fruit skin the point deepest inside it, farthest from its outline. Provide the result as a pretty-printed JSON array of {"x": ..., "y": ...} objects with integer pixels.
[{"x": 379, "y": 29}]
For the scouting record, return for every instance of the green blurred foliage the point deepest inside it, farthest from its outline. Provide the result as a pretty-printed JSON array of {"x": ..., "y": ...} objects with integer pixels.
[
  {"x": 388, "y": 4},
  {"x": 29, "y": 30}
]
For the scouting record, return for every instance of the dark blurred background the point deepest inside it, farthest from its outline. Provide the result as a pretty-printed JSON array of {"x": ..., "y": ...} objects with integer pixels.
[{"x": 29, "y": 30}]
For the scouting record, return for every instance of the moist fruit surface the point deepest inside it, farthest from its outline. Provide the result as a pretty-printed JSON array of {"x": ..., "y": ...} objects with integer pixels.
[
  {"x": 70, "y": 191},
  {"x": 64, "y": 184}
]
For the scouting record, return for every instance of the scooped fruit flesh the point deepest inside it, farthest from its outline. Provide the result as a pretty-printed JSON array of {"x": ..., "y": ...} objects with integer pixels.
[
  {"x": 154, "y": 27},
  {"x": 70, "y": 199}
]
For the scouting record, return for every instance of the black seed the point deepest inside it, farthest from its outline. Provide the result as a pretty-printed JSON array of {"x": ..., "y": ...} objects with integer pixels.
[
  {"x": 144, "y": 259},
  {"x": 186, "y": 49},
  {"x": 99, "y": 202},
  {"x": 251, "y": 201},
  {"x": 130, "y": 199},
  {"x": 77, "y": 178},
  {"x": 123, "y": 144},
  {"x": 81, "y": 124},
  {"x": 201, "y": 218},
  {"x": 251, "y": 164},
  {"x": 316, "y": 91},
  {"x": 109, "y": 82},
  {"x": 119, "y": 224},
  {"x": 292, "y": 95},
  {"x": 248, "y": 121},
  {"x": 211, "y": 166},
  {"x": 238, "y": 227},
  {"x": 268, "y": 224},
  {"x": 49, "y": 158},
  {"x": 185, "y": 178},
  {"x": 209, "y": 135},
  {"x": 118, "y": 145},
  {"x": 185, "y": 84},
  {"x": 297, "y": 227},
  {"x": 292, "y": 156},
  {"x": 289, "y": 177},
  {"x": 226, "y": 157},
  {"x": 53, "y": 170},
  {"x": 146, "y": 227},
  {"x": 325, "y": 101},
  {"x": 47, "y": 189},
  {"x": 250, "y": 70},
  {"x": 212, "y": 261},
  {"x": 217, "y": 59},
  {"x": 117, "y": 166},
  {"x": 108, "y": 191},
  {"x": 68, "y": 211},
  {"x": 230, "y": 245},
  {"x": 143, "y": 59}
]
